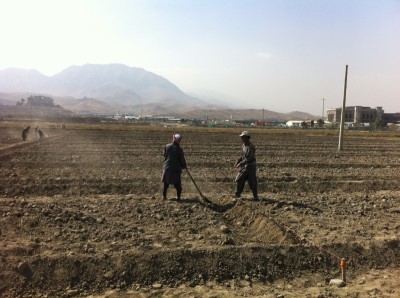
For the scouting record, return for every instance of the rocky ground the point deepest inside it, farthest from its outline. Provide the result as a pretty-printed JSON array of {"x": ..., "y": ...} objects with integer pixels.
[{"x": 81, "y": 215}]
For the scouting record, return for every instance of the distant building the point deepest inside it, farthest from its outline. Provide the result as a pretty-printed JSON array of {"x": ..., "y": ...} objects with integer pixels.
[
  {"x": 391, "y": 117},
  {"x": 40, "y": 100},
  {"x": 294, "y": 123},
  {"x": 356, "y": 114}
]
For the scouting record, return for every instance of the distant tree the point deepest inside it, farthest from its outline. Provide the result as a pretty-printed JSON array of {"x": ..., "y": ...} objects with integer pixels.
[
  {"x": 320, "y": 123},
  {"x": 379, "y": 124},
  {"x": 39, "y": 100},
  {"x": 312, "y": 123},
  {"x": 21, "y": 102},
  {"x": 304, "y": 125}
]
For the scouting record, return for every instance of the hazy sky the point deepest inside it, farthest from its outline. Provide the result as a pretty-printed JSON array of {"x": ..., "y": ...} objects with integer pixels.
[{"x": 281, "y": 55}]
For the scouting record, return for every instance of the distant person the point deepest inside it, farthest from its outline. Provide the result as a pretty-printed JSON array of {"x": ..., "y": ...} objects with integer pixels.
[
  {"x": 37, "y": 133},
  {"x": 63, "y": 126},
  {"x": 40, "y": 134},
  {"x": 25, "y": 132},
  {"x": 174, "y": 162},
  {"x": 248, "y": 167}
]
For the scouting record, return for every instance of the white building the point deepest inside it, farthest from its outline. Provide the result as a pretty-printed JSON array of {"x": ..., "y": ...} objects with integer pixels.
[{"x": 294, "y": 123}]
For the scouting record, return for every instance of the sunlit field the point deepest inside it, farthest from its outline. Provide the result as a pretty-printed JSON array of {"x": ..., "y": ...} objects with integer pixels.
[{"x": 82, "y": 212}]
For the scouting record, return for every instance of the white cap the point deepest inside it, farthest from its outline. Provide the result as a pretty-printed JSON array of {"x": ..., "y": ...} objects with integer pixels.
[
  {"x": 245, "y": 134},
  {"x": 177, "y": 136}
]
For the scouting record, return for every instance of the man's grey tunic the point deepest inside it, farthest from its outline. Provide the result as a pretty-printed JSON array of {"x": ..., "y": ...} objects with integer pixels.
[
  {"x": 248, "y": 169},
  {"x": 174, "y": 162}
]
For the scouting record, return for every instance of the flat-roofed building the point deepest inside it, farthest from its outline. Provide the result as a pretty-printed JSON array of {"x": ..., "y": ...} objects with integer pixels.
[
  {"x": 356, "y": 114},
  {"x": 391, "y": 117}
]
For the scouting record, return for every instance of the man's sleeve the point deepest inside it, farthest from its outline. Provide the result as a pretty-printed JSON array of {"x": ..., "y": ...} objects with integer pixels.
[{"x": 182, "y": 159}]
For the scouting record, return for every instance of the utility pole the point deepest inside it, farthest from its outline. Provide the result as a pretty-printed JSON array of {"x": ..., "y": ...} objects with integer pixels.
[
  {"x": 323, "y": 108},
  {"x": 340, "y": 147}
]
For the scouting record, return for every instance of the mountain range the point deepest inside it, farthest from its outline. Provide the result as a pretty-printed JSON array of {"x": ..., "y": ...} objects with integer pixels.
[{"x": 116, "y": 88}]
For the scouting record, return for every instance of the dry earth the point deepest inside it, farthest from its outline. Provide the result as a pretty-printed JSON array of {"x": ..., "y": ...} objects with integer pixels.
[{"x": 81, "y": 215}]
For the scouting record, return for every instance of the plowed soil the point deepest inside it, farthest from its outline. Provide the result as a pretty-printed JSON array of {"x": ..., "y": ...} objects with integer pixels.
[{"x": 82, "y": 215}]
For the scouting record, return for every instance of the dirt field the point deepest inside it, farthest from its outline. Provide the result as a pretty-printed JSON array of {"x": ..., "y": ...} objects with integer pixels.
[{"x": 82, "y": 215}]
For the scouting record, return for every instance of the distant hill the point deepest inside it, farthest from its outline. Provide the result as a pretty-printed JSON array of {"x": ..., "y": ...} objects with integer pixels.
[
  {"x": 243, "y": 114},
  {"x": 116, "y": 85},
  {"x": 32, "y": 106},
  {"x": 117, "y": 88}
]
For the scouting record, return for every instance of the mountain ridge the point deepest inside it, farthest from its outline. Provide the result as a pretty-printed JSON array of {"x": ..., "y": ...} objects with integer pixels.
[{"x": 109, "y": 88}]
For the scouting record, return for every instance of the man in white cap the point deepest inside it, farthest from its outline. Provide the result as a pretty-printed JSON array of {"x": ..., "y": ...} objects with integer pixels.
[
  {"x": 174, "y": 162},
  {"x": 248, "y": 167}
]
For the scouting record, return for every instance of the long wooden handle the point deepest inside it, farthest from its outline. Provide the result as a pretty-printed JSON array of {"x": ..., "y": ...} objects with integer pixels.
[{"x": 191, "y": 178}]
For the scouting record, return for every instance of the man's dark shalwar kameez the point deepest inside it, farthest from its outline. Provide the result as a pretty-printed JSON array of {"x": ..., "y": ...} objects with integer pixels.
[
  {"x": 174, "y": 162},
  {"x": 248, "y": 168}
]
